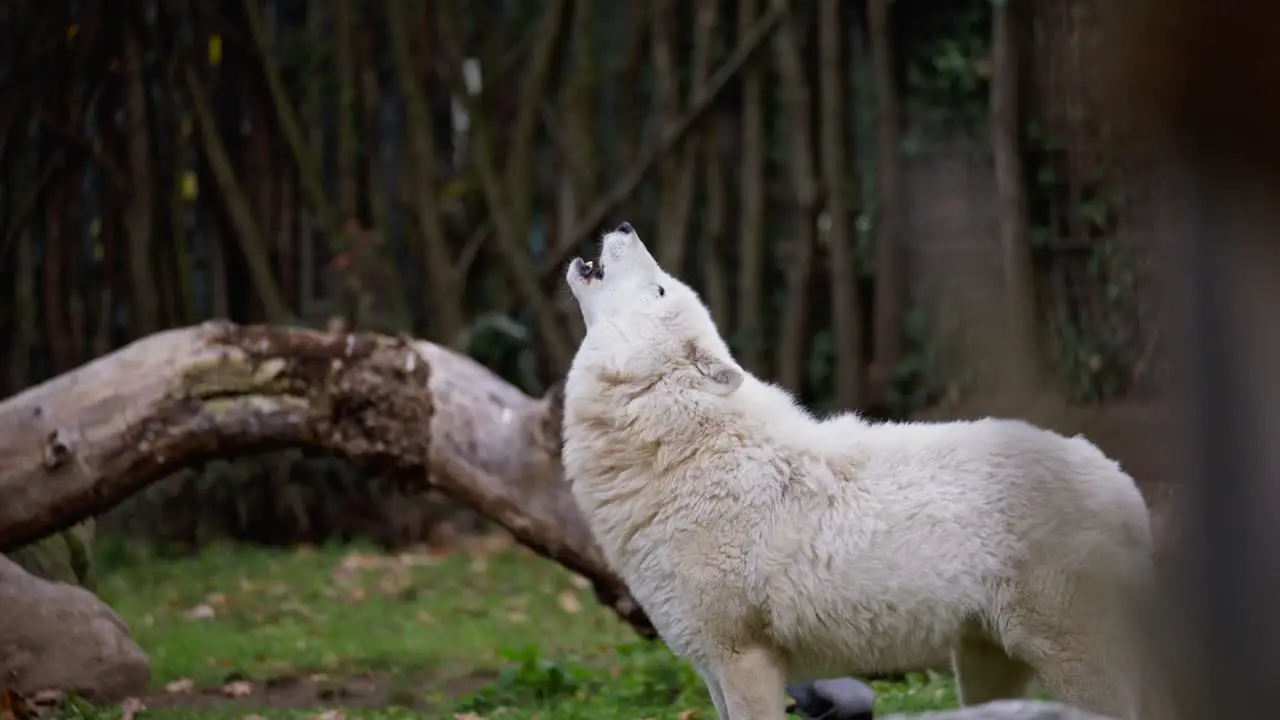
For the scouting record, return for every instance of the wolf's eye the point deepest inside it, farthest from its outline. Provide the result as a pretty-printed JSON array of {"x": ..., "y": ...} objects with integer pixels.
[{"x": 661, "y": 291}]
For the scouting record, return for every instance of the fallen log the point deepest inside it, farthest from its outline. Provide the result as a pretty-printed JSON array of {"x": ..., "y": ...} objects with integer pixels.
[{"x": 415, "y": 412}]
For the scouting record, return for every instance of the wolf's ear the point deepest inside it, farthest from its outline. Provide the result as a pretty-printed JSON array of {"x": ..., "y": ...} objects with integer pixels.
[
  {"x": 715, "y": 376},
  {"x": 719, "y": 378}
]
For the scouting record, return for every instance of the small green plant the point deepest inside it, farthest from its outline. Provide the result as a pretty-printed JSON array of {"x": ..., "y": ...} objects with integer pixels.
[{"x": 529, "y": 678}]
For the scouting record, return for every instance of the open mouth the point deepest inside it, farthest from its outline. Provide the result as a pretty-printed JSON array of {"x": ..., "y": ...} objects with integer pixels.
[{"x": 589, "y": 270}]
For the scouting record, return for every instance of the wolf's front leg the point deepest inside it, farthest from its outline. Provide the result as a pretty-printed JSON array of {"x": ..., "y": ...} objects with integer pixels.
[
  {"x": 754, "y": 686},
  {"x": 713, "y": 689}
]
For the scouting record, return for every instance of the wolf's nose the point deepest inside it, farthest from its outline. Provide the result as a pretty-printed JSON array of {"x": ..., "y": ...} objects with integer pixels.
[{"x": 625, "y": 228}]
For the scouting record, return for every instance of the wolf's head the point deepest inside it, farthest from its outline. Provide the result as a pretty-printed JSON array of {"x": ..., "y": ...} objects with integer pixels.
[{"x": 643, "y": 325}]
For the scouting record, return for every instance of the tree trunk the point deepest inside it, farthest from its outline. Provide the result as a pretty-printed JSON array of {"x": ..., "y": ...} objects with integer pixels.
[
  {"x": 139, "y": 205},
  {"x": 676, "y": 174},
  {"x": 846, "y": 314},
  {"x": 25, "y": 309},
  {"x": 81, "y": 443},
  {"x": 750, "y": 324},
  {"x": 1020, "y": 374},
  {"x": 509, "y": 183},
  {"x": 310, "y": 175},
  {"x": 715, "y": 225},
  {"x": 448, "y": 318},
  {"x": 244, "y": 226},
  {"x": 55, "y": 313},
  {"x": 794, "y": 97},
  {"x": 889, "y": 298},
  {"x": 347, "y": 193}
]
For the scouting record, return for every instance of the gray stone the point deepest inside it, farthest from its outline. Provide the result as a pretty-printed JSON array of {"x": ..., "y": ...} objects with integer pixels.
[
  {"x": 1006, "y": 710},
  {"x": 833, "y": 699},
  {"x": 56, "y": 636}
]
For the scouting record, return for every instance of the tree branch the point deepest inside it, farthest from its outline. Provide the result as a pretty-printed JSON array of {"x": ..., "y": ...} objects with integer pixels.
[
  {"x": 287, "y": 116},
  {"x": 245, "y": 227},
  {"x": 421, "y": 414},
  {"x": 671, "y": 135},
  {"x": 508, "y": 196}
]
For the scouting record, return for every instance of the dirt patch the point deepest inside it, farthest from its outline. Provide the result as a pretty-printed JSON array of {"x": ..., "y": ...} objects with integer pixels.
[{"x": 416, "y": 691}]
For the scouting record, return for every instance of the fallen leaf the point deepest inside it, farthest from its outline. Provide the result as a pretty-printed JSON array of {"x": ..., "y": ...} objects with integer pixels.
[
  {"x": 569, "y": 602},
  {"x": 579, "y": 582},
  {"x": 238, "y": 688},
  {"x": 130, "y": 708},
  {"x": 185, "y": 685},
  {"x": 253, "y": 717},
  {"x": 466, "y": 716},
  {"x": 203, "y": 611},
  {"x": 328, "y": 715},
  {"x": 688, "y": 715}
]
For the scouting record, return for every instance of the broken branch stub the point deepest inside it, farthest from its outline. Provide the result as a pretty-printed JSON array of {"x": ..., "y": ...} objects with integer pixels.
[{"x": 407, "y": 410}]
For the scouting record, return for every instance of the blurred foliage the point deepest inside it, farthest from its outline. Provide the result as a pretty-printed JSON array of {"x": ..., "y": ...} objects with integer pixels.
[
  {"x": 339, "y": 229},
  {"x": 284, "y": 498}
]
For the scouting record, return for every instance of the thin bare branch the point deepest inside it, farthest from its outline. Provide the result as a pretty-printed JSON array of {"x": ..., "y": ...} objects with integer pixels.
[
  {"x": 287, "y": 117},
  {"x": 752, "y": 41},
  {"x": 246, "y": 230}
]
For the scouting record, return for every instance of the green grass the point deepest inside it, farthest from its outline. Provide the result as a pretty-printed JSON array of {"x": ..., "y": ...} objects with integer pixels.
[{"x": 497, "y": 633}]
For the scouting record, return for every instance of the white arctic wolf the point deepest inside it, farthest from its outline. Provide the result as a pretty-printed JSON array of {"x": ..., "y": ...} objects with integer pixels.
[{"x": 768, "y": 545}]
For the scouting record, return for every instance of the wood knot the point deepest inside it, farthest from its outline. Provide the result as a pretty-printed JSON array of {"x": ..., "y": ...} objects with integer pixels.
[{"x": 57, "y": 450}]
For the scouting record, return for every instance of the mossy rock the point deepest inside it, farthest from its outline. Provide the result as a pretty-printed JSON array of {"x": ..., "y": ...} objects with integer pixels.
[{"x": 63, "y": 557}]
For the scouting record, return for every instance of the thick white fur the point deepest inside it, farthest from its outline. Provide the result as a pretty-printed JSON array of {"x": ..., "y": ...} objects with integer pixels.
[{"x": 768, "y": 545}]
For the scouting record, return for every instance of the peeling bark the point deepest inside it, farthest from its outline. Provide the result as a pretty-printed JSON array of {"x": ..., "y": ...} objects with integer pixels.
[{"x": 419, "y": 413}]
